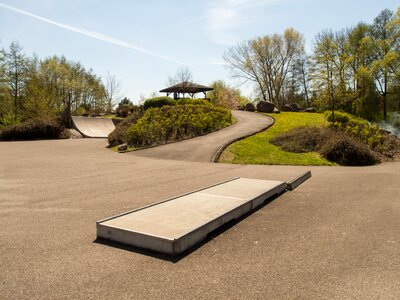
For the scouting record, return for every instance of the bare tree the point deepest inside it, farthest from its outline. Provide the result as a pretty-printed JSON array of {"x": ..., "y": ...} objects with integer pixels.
[
  {"x": 267, "y": 61},
  {"x": 112, "y": 90},
  {"x": 183, "y": 74}
]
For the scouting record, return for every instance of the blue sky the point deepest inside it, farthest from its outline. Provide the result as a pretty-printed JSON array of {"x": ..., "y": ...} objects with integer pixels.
[{"x": 143, "y": 42}]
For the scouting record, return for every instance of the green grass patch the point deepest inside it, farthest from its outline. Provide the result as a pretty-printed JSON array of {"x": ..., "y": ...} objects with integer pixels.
[{"x": 257, "y": 149}]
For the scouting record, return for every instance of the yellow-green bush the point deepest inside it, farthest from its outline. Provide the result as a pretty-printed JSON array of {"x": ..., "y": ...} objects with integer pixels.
[
  {"x": 158, "y": 102},
  {"x": 186, "y": 101},
  {"x": 173, "y": 123},
  {"x": 361, "y": 129}
]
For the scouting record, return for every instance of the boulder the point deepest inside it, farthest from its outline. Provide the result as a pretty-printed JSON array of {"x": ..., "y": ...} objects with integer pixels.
[
  {"x": 287, "y": 107},
  {"x": 276, "y": 111},
  {"x": 123, "y": 147},
  {"x": 250, "y": 107},
  {"x": 265, "y": 107},
  {"x": 72, "y": 134},
  {"x": 310, "y": 110},
  {"x": 295, "y": 107}
]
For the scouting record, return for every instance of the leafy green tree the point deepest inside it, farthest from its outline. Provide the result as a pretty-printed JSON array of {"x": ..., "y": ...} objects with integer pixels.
[
  {"x": 16, "y": 70},
  {"x": 385, "y": 37},
  {"x": 5, "y": 101}
]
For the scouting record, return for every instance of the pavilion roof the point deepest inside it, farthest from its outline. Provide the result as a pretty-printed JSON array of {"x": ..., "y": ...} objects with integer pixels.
[{"x": 186, "y": 87}]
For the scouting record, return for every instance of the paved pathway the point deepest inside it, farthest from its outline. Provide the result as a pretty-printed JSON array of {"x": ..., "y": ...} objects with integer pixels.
[
  {"x": 205, "y": 147},
  {"x": 337, "y": 236}
]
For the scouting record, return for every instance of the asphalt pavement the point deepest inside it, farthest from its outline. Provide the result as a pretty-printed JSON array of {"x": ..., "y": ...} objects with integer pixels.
[{"x": 337, "y": 236}]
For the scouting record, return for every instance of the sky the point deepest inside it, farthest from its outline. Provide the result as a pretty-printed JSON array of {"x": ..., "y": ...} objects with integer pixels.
[{"x": 143, "y": 42}]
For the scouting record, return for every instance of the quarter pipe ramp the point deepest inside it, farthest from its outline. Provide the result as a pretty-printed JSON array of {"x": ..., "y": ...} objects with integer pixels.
[{"x": 93, "y": 127}]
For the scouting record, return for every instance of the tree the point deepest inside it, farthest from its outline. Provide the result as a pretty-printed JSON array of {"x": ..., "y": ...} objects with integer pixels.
[
  {"x": 330, "y": 71},
  {"x": 365, "y": 100},
  {"x": 384, "y": 33},
  {"x": 225, "y": 95},
  {"x": 16, "y": 63},
  {"x": 112, "y": 90},
  {"x": 183, "y": 75},
  {"x": 267, "y": 62},
  {"x": 4, "y": 95}
]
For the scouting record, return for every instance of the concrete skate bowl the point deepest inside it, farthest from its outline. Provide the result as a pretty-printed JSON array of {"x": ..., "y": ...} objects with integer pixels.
[{"x": 91, "y": 127}]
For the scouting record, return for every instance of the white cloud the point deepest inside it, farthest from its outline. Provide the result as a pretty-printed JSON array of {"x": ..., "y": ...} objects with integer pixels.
[
  {"x": 224, "y": 16},
  {"x": 92, "y": 34}
]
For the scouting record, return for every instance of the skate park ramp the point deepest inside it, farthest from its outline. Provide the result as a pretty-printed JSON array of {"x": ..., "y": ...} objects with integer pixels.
[{"x": 91, "y": 127}]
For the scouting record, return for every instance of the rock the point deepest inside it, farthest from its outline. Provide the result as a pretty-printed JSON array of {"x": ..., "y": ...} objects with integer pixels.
[
  {"x": 123, "y": 147},
  {"x": 265, "y": 107},
  {"x": 250, "y": 107},
  {"x": 276, "y": 111},
  {"x": 73, "y": 134},
  {"x": 310, "y": 110},
  {"x": 295, "y": 107},
  {"x": 287, "y": 107}
]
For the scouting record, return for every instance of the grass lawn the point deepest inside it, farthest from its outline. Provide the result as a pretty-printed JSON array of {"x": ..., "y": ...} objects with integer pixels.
[{"x": 257, "y": 149}]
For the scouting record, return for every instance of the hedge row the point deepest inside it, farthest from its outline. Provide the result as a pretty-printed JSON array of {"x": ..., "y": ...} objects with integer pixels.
[
  {"x": 167, "y": 101},
  {"x": 173, "y": 123}
]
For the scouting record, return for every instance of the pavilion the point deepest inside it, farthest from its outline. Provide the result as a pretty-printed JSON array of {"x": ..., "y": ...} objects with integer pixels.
[{"x": 186, "y": 87}]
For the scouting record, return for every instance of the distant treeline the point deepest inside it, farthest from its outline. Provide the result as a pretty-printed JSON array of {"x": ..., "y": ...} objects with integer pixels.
[
  {"x": 355, "y": 69},
  {"x": 31, "y": 87}
]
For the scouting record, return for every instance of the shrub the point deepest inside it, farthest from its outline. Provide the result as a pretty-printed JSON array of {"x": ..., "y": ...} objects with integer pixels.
[
  {"x": 173, "y": 123},
  {"x": 125, "y": 110},
  {"x": 334, "y": 145},
  {"x": 348, "y": 152},
  {"x": 359, "y": 128},
  {"x": 303, "y": 139},
  {"x": 187, "y": 101},
  {"x": 337, "y": 117},
  {"x": 39, "y": 128},
  {"x": 119, "y": 134},
  {"x": 158, "y": 102},
  {"x": 9, "y": 119}
]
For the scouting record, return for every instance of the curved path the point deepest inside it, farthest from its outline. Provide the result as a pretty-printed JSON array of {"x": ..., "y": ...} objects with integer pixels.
[{"x": 204, "y": 148}]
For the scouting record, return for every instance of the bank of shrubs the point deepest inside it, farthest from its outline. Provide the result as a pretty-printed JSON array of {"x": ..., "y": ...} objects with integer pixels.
[
  {"x": 32, "y": 129},
  {"x": 333, "y": 145},
  {"x": 347, "y": 140},
  {"x": 173, "y": 123},
  {"x": 358, "y": 128},
  {"x": 120, "y": 133}
]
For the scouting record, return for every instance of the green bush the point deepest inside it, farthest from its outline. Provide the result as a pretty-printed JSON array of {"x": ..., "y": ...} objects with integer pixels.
[
  {"x": 9, "y": 119},
  {"x": 119, "y": 134},
  {"x": 158, "y": 102},
  {"x": 361, "y": 129},
  {"x": 173, "y": 123},
  {"x": 348, "y": 152},
  {"x": 188, "y": 101},
  {"x": 40, "y": 128}
]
